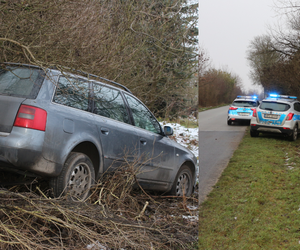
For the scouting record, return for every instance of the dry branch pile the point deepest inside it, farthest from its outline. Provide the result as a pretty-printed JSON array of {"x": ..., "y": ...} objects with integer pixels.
[{"x": 115, "y": 217}]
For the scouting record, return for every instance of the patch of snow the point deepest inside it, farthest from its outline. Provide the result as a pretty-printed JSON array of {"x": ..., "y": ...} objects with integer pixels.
[
  {"x": 192, "y": 207},
  {"x": 190, "y": 217},
  {"x": 97, "y": 246},
  {"x": 187, "y": 137}
]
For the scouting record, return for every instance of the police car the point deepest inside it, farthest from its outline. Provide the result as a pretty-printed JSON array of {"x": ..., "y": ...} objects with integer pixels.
[
  {"x": 278, "y": 114},
  {"x": 242, "y": 109}
]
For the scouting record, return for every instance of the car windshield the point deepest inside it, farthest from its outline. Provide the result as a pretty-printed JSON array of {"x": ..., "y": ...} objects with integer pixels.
[
  {"x": 244, "y": 104},
  {"x": 276, "y": 106}
]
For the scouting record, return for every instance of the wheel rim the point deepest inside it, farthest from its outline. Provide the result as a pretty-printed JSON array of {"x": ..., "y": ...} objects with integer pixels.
[
  {"x": 80, "y": 181},
  {"x": 183, "y": 185}
]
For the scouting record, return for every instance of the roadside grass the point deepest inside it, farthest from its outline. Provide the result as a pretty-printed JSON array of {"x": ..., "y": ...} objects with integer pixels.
[
  {"x": 256, "y": 202},
  {"x": 188, "y": 122}
]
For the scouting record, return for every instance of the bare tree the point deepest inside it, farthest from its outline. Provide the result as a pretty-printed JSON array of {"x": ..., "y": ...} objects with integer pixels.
[
  {"x": 274, "y": 58},
  {"x": 147, "y": 45}
]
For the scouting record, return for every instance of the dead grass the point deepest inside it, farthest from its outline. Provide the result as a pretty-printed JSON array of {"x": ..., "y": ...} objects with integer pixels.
[{"x": 115, "y": 217}]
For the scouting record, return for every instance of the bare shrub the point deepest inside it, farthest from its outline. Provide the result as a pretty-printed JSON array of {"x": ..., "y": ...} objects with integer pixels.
[{"x": 148, "y": 46}]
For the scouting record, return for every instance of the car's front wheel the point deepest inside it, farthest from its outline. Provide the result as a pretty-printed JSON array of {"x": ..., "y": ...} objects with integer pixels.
[
  {"x": 294, "y": 135},
  {"x": 183, "y": 183},
  {"x": 75, "y": 179}
]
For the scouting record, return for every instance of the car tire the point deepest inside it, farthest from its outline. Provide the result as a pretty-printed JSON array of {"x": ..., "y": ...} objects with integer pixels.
[
  {"x": 183, "y": 183},
  {"x": 294, "y": 135},
  {"x": 254, "y": 133},
  {"x": 229, "y": 122},
  {"x": 75, "y": 179}
]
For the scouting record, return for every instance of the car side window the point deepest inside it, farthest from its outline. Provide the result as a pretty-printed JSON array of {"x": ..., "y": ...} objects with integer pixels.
[
  {"x": 143, "y": 118},
  {"x": 297, "y": 106},
  {"x": 108, "y": 102},
  {"x": 72, "y": 92}
]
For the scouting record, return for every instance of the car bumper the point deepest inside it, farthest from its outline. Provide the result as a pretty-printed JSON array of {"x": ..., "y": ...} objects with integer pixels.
[
  {"x": 238, "y": 118},
  {"x": 271, "y": 129},
  {"x": 21, "y": 151}
]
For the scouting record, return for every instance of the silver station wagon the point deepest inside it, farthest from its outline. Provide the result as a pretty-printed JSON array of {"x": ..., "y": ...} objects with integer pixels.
[{"x": 71, "y": 129}]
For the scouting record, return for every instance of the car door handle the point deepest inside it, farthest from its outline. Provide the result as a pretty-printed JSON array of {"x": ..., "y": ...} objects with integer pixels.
[
  {"x": 143, "y": 141},
  {"x": 104, "y": 131}
]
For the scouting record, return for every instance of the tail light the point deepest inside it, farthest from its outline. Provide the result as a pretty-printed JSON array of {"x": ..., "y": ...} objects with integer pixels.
[
  {"x": 289, "y": 116},
  {"x": 31, "y": 117},
  {"x": 232, "y": 108},
  {"x": 254, "y": 112}
]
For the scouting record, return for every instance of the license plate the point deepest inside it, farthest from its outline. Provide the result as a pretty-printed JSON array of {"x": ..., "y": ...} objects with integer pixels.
[
  {"x": 244, "y": 114},
  {"x": 271, "y": 116}
]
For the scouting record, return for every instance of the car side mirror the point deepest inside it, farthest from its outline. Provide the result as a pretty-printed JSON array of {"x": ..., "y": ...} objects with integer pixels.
[{"x": 168, "y": 130}]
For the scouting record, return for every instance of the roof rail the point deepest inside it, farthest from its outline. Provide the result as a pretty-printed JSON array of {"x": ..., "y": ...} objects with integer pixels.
[
  {"x": 79, "y": 71},
  {"x": 118, "y": 84}
]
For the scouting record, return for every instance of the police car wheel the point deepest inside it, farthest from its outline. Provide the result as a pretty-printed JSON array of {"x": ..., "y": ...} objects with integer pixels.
[
  {"x": 229, "y": 122},
  {"x": 254, "y": 133},
  {"x": 294, "y": 135}
]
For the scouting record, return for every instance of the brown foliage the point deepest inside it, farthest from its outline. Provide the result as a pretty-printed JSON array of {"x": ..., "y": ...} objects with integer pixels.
[
  {"x": 140, "y": 44},
  {"x": 217, "y": 87}
]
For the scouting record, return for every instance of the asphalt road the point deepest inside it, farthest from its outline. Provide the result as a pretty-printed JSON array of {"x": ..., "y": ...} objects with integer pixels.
[{"x": 217, "y": 143}]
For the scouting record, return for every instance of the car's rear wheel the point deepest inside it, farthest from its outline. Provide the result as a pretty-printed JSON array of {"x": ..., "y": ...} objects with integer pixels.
[
  {"x": 183, "y": 183},
  {"x": 254, "y": 133},
  {"x": 229, "y": 122},
  {"x": 294, "y": 135},
  {"x": 75, "y": 179}
]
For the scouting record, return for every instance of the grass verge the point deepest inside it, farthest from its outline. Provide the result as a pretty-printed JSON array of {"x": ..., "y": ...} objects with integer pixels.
[
  {"x": 188, "y": 122},
  {"x": 256, "y": 202}
]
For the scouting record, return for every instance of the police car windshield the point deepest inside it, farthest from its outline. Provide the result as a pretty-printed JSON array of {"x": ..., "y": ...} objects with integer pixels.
[
  {"x": 276, "y": 106},
  {"x": 244, "y": 104}
]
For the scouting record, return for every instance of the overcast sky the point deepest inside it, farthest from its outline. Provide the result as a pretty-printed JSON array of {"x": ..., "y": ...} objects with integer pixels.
[{"x": 226, "y": 29}]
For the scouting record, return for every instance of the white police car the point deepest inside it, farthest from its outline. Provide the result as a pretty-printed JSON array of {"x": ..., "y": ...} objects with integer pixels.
[
  {"x": 278, "y": 114},
  {"x": 242, "y": 109}
]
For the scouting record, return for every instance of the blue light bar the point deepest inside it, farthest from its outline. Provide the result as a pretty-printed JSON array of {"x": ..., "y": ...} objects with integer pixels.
[
  {"x": 282, "y": 96},
  {"x": 247, "y": 96}
]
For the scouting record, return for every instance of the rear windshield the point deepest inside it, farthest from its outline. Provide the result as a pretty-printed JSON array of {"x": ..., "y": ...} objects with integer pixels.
[
  {"x": 20, "y": 81},
  {"x": 244, "y": 104},
  {"x": 276, "y": 106}
]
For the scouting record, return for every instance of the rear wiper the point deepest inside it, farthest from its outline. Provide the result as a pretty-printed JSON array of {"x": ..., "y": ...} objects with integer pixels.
[{"x": 268, "y": 109}]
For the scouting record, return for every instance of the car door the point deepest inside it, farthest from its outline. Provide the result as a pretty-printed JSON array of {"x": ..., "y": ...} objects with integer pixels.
[
  {"x": 156, "y": 152},
  {"x": 117, "y": 135}
]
